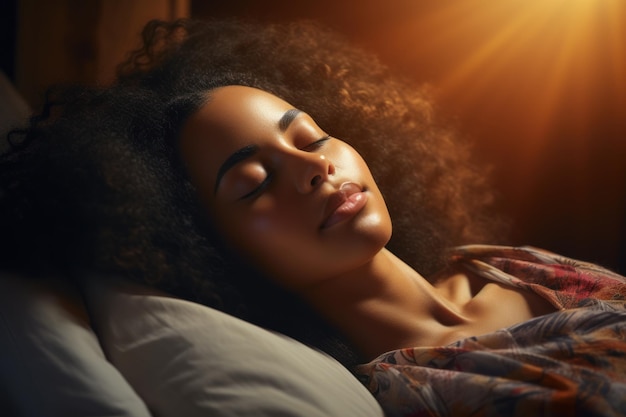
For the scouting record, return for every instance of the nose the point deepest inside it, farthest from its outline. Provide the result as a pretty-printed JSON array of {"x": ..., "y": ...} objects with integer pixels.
[{"x": 311, "y": 170}]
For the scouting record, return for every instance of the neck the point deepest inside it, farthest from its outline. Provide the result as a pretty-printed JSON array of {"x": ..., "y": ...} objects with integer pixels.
[{"x": 382, "y": 305}]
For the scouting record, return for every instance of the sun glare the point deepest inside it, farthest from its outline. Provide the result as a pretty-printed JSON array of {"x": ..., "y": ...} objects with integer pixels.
[
  {"x": 539, "y": 85},
  {"x": 561, "y": 55},
  {"x": 549, "y": 67},
  {"x": 570, "y": 49}
]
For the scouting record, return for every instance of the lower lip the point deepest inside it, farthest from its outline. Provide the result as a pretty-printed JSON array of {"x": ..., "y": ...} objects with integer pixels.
[{"x": 353, "y": 205}]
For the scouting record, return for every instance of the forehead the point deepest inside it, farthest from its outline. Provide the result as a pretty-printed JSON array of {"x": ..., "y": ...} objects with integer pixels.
[{"x": 234, "y": 114}]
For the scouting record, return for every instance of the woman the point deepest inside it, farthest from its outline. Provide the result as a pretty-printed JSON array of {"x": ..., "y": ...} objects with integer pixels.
[
  {"x": 303, "y": 207},
  {"x": 219, "y": 144}
]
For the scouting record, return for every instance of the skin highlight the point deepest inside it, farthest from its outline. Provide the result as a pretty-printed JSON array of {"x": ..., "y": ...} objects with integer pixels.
[{"x": 286, "y": 216}]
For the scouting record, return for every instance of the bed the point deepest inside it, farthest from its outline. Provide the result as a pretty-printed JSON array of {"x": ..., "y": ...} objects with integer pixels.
[
  {"x": 115, "y": 348},
  {"x": 122, "y": 349}
]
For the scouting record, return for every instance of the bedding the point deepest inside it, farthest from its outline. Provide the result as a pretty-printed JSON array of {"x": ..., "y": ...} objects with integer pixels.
[
  {"x": 186, "y": 359},
  {"x": 568, "y": 363},
  {"x": 164, "y": 357},
  {"x": 51, "y": 363}
]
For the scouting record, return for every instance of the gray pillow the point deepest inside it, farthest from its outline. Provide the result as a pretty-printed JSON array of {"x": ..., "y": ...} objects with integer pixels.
[
  {"x": 51, "y": 363},
  {"x": 185, "y": 359}
]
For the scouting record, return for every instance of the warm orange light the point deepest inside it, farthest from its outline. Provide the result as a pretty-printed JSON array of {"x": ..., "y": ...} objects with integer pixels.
[
  {"x": 550, "y": 62},
  {"x": 540, "y": 86},
  {"x": 569, "y": 49}
]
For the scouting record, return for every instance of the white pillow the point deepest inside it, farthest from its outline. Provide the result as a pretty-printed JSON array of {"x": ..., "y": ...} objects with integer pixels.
[
  {"x": 50, "y": 361},
  {"x": 185, "y": 359}
]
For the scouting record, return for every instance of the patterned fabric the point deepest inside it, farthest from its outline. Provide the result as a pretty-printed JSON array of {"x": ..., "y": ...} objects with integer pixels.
[{"x": 568, "y": 363}]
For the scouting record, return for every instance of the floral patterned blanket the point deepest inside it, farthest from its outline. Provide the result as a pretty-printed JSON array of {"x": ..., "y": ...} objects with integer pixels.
[{"x": 568, "y": 363}]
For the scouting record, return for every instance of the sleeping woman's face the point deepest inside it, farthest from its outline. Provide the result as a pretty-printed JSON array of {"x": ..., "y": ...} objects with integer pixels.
[{"x": 300, "y": 205}]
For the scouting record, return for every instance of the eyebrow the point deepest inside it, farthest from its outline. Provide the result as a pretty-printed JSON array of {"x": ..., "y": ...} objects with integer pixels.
[
  {"x": 287, "y": 118},
  {"x": 250, "y": 150}
]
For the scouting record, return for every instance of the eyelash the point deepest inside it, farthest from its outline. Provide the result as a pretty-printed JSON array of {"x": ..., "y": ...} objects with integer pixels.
[
  {"x": 309, "y": 148},
  {"x": 317, "y": 144},
  {"x": 260, "y": 188}
]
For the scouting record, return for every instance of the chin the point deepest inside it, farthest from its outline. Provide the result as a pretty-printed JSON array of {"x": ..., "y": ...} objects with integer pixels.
[{"x": 375, "y": 230}]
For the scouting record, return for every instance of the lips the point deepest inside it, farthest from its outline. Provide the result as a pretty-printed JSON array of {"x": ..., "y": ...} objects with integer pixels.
[{"x": 344, "y": 204}]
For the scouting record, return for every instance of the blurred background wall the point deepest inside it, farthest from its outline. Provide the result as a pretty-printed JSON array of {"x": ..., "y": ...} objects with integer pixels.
[{"x": 538, "y": 86}]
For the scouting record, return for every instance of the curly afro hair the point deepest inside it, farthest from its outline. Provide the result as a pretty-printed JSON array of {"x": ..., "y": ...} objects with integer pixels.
[{"x": 96, "y": 182}]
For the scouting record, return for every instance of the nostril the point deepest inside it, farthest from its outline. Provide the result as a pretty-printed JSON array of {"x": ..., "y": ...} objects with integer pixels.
[{"x": 316, "y": 180}]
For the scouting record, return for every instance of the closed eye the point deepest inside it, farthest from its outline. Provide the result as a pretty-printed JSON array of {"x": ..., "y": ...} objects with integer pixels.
[
  {"x": 317, "y": 144},
  {"x": 312, "y": 147},
  {"x": 259, "y": 189}
]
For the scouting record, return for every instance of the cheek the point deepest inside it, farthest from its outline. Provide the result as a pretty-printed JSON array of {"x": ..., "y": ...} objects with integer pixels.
[
  {"x": 347, "y": 158},
  {"x": 267, "y": 217},
  {"x": 262, "y": 224},
  {"x": 270, "y": 242},
  {"x": 267, "y": 227}
]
